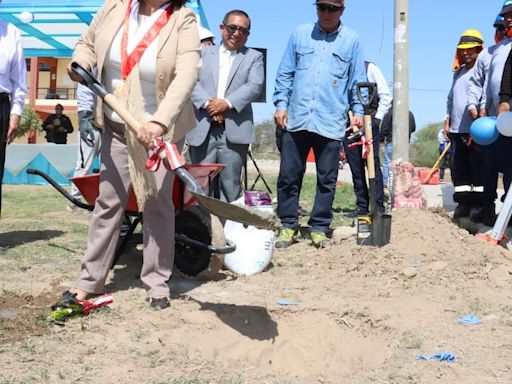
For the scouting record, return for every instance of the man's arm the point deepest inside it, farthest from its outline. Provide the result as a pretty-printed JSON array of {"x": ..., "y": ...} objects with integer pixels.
[
  {"x": 199, "y": 95},
  {"x": 357, "y": 74},
  {"x": 68, "y": 125},
  {"x": 47, "y": 124},
  {"x": 476, "y": 87},
  {"x": 285, "y": 77},
  {"x": 18, "y": 76},
  {"x": 86, "y": 101},
  {"x": 386, "y": 125},
  {"x": 449, "y": 105},
  {"x": 375, "y": 76},
  {"x": 506, "y": 86},
  {"x": 250, "y": 91}
]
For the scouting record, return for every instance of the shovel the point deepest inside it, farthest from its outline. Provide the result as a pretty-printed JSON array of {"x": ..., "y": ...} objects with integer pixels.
[
  {"x": 436, "y": 164},
  {"x": 379, "y": 224},
  {"x": 241, "y": 214}
]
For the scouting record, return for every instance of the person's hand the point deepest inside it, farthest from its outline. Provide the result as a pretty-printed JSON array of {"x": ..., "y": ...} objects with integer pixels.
[
  {"x": 446, "y": 127},
  {"x": 150, "y": 131},
  {"x": 503, "y": 107},
  {"x": 14, "y": 123},
  {"x": 473, "y": 113},
  {"x": 72, "y": 74},
  {"x": 483, "y": 112},
  {"x": 85, "y": 127},
  {"x": 219, "y": 118},
  {"x": 281, "y": 118},
  {"x": 217, "y": 107},
  {"x": 62, "y": 129},
  {"x": 356, "y": 120}
]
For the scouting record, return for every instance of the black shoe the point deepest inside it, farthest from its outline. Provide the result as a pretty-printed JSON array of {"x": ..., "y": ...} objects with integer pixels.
[
  {"x": 67, "y": 300},
  {"x": 481, "y": 214},
  {"x": 462, "y": 210},
  {"x": 159, "y": 303}
]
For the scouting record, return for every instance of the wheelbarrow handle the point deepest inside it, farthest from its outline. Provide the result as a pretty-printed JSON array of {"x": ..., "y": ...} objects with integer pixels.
[{"x": 372, "y": 92}]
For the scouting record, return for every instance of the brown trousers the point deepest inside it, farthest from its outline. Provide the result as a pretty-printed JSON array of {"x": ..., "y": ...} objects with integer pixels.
[{"x": 104, "y": 228}]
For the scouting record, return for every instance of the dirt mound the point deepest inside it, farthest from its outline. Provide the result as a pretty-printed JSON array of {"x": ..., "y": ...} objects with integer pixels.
[{"x": 346, "y": 313}]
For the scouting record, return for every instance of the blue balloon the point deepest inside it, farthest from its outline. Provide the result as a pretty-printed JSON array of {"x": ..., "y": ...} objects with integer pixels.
[{"x": 483, "y": 130}]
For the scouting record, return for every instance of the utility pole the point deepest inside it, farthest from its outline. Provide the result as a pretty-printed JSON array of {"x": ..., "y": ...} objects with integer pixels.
[{"x": 401, "y": 82}]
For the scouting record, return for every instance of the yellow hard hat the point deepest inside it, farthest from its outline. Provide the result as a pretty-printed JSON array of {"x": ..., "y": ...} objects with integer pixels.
[{"x": 471, "y": 38}]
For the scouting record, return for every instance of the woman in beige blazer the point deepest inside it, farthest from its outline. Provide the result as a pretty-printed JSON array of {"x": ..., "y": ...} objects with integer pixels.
[{"x": 147, "y": 52}]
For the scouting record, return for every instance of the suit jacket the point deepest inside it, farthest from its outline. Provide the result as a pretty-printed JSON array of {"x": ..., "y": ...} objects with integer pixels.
[
  {"x": 244, "y": 85},
  {"x": 177, "y": 63}
]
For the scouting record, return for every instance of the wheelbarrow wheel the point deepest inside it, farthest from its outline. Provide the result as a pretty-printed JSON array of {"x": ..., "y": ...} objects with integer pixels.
[{"x": 197, "y": 224}]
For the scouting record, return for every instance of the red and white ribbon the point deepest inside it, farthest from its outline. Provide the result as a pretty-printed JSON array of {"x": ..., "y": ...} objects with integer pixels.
[
  {"x": 174, "y": 159},
  {"x": 365, "y": 144},
  {"x": 91, "y": 305}
]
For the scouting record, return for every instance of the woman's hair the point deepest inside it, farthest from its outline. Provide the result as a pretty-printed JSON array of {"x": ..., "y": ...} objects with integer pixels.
[{"x": 176, "y": 3}]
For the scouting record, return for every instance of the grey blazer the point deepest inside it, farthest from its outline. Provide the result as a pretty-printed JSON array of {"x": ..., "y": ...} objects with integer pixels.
[{"x": 245, "y": 83}]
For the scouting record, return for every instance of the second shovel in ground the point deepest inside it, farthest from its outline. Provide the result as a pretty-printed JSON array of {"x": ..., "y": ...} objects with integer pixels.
[{"x": 374, "y": 229}]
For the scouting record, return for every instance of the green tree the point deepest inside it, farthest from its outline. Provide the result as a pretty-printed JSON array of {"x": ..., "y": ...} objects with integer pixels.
[
  {"x": 29, "y": 121},
  {"x": 424, "y": 148},
  {"x": 265, "y": 138}
]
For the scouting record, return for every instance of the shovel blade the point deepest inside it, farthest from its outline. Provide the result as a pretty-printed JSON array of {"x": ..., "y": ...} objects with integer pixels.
[
  {"x": 238, "y": 213},
  {"x": 381, "y": 230}
]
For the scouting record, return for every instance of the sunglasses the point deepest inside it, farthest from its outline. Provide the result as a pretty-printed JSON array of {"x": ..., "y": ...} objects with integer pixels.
[
  {"x": 328, "y": 8},
  {"x": 233, "y": 28}
]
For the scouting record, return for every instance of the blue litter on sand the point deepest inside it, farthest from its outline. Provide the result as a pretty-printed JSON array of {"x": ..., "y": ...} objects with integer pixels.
[
  {"x": 442, "y": 356},
  {"x": 469, "y": 320},
  {"x": 286, "y": 302}
]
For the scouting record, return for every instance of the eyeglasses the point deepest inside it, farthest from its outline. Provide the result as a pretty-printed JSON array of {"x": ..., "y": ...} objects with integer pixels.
[
  {"x": 233, "y": 28},
  {"x": 328, "y": 8}
]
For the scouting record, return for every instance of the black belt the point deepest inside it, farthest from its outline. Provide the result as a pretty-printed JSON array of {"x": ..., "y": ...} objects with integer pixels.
[{"x": 4, "y": 97}]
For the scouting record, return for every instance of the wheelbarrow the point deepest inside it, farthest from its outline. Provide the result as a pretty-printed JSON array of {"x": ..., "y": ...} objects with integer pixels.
[
  {"x": 200, "y": 244},
  {"x": 174, "y": 162}
]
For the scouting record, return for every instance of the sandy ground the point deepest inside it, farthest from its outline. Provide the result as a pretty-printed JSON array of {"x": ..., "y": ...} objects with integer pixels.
[{"x": 358, "y": 314}]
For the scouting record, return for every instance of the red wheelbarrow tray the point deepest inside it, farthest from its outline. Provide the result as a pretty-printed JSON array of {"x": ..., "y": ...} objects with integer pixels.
[{"x": 89, "y": 186}]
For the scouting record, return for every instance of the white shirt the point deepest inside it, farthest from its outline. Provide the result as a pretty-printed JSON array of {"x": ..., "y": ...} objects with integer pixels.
[
  {"x": 226, "y": 58},
  {"x": 375, "y": 75},
  {"x": 13, "y": 70},
  {"x": 138, "y": 26}
]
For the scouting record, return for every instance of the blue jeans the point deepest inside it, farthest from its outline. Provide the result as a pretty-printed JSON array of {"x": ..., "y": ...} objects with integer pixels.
[
  {"x": 388, "y": 156},
  {"x": 295, "y": 147}
]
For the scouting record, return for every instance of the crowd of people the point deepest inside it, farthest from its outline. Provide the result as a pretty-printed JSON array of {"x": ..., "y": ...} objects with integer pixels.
[
  {"x": 481, "y": 87},
  {"x": 203, "y": 98},
  {"x": 172, "y": 77}
]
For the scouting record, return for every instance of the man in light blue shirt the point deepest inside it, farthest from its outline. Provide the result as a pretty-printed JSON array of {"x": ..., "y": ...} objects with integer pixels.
[{"x": 316, "y": 85}]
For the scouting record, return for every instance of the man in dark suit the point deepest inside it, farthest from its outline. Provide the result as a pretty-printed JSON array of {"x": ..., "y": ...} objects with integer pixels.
[
  {"x": 231, "y": 77},
  {"x": 57, "y": 126}
]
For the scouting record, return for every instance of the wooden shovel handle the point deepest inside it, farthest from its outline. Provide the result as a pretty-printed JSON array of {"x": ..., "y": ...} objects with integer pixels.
[{"x": 436, "y": 164}]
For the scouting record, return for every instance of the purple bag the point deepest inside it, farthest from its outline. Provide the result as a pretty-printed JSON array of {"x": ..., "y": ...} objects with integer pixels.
[{"x": 255, "y": 198}]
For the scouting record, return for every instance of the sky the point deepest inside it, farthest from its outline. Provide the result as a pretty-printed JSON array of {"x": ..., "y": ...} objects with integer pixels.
[{"x": 435, "y": 27}]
